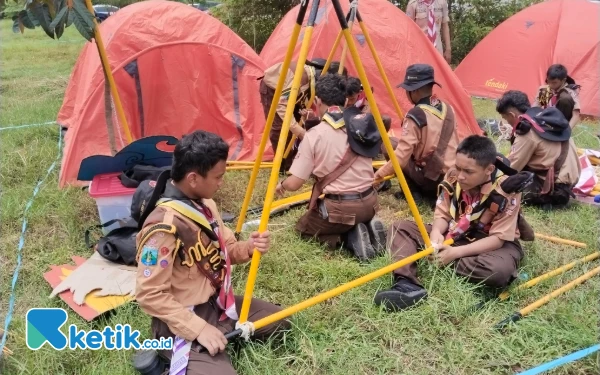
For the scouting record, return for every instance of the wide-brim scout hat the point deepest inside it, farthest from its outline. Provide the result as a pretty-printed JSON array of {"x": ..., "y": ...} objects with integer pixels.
[
  {"x": 549, "y": 124},
  {"x": 319, "y": 63},
  {"x": 417, "y": 76},
  {"x": 363, "y": 135}
]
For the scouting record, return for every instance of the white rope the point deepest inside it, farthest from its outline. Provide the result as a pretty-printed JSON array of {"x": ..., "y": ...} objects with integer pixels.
[{"x": 247, "y": 329}]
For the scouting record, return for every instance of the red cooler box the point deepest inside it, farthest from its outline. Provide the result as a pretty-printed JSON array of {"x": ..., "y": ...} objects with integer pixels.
[{"x": 112, "y": 198}]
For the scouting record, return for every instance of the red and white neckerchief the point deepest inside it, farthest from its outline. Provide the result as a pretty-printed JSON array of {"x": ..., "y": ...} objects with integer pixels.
[
  {"x": 431, "y": 27},
  {"x": 463, "y": 223},
  {"x": 226, "y": 300}
]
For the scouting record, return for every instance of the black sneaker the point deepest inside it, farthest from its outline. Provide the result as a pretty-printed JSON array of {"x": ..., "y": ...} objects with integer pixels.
[
  {"x": 377, "y": 235},
  {"x": 401, "y": 296},
  {"x": 357, "y": 240}
]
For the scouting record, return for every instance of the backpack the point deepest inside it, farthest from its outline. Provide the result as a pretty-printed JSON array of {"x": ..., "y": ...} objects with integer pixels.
[{"x": 119, "y": 245}]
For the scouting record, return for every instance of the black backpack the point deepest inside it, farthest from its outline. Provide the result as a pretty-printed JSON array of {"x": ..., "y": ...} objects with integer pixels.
[{"x": 119, "y": 245}]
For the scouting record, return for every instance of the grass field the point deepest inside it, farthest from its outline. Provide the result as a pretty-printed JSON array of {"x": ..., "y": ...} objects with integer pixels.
[{"x": 346, "y": 335}]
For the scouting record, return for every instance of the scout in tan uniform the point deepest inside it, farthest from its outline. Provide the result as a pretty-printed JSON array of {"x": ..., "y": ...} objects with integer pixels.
[
  {"x": 479, "y": 208},
  {"x": 427, "y": 145},
  {"x": 342, "y": 165},
  {"x": 556, "y": 92},
  {"x": 540, "y": 144},
  {"x": 312, "y": 70},
  {"x": 184, "y": 261},
  {"x": 433, "y": 17}
]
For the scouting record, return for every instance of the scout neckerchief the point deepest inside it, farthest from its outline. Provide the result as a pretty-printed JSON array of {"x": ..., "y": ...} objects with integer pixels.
[
  {"x": 361, "y": 99},
  {"x": 466, "y": 209},
  {"x": 204, "y": 218},
  {"x": 431, "y": 27},
  {"x": 334, "y": 117}
]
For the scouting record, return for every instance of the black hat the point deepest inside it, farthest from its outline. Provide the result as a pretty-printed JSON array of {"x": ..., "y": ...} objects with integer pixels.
[
  {"x": 319, "y": 63},
  {"x": 417, "y": 76},
  {"x": 363, "y": 135},
  {"x": 550, "y": 123}
]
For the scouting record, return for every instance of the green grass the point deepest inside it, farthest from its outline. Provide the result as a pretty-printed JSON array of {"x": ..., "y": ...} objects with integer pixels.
[{"x": 346, "y": 335}]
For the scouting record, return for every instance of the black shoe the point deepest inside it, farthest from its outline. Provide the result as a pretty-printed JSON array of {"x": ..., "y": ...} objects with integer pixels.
[
  {"x": 401, "y": 296},
  {"x": 385, "y": 186},
  {"x": 377, "y": 235},
  {"x": 357, "y": 240},
  {"x": 417, "y": 196}
]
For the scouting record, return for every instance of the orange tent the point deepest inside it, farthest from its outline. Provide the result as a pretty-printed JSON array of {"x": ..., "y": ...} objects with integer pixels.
[
  {"x": 517, "y": 54},
  {"x": 177, "y": 70},
  {"x": 399, "y": 43}
]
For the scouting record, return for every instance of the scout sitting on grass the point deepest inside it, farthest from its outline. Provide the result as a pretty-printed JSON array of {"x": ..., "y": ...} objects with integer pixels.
[
  {"x": 479, "y": 209},
  {"x": 184, "y": 262}
]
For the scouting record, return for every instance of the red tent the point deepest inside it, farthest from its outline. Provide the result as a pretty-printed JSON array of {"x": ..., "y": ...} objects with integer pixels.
[
  {"x": 399, "y": 43},
  {"x": 177, "y": 70},
  {"x": 517, "y": 54}
]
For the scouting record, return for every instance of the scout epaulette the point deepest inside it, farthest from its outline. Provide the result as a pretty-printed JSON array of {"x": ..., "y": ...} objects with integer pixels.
[
  {"x": 335, "y": 119},
  {"x": 203, "y": 251},
  {"x": 152, "y": 230},
  {"x": 418, "y": 116}
]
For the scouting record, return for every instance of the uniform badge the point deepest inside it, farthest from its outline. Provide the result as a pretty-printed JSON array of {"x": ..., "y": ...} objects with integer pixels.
[
  {"x": 164, "y": 251},
  {"x": 147, "y": 272},
  {"x": 149, "y": 256},
  {"x": 152, "y": 241},
  {"x": 152, "y": 184},
  {"x": 164, "y": 263}
]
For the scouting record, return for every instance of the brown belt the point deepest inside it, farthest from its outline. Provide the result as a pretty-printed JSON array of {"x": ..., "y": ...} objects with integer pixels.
[{"x": 350, "y": 197}]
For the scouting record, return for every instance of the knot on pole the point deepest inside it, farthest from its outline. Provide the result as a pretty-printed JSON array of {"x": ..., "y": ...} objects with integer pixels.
[{"x": 247, "y": 329}]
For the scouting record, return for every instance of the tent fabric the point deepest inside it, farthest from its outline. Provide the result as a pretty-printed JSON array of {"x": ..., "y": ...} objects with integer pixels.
[
  {"x": 517, "y": 54},
  {"x": 399, "y": 43},
  {"x": 177, "y": 70}
]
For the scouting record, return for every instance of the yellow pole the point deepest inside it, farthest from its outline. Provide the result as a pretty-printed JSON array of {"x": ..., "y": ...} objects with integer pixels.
[
  {"x": 561, "y": 240},
  {"x": 345, "y": 51},
  {"x": 251, "y": 163},
  {"x": 343, "y": 288},
  {"x": 542, "y": 301},
  {"x": 379, "y": 66},
  {"x": 278, "y": 157},
  {"x": 109, "y": 75},
  {"x": 245, "y": 167},
  {"x": 332, "y": 52},
  {"x": 272, "y": 111},
  {"x": 377, "y": 115},
  {"x": 289, "y": 146},
  {"x": 504, "y": 295}
]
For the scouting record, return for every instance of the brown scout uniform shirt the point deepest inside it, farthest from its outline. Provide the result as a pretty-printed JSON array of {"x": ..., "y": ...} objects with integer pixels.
[
  {"x": 503, "y": 225},
  {"x": 541, "y": 101},
  {"x": 419, "y": 142},
  {"x": 532, "y": 151},
  {"x": 417, "y": 11},
  {"x": 270, "y": 79},
  {"x": 321, "y": 152},
  {"x": 171, "y": 286}
]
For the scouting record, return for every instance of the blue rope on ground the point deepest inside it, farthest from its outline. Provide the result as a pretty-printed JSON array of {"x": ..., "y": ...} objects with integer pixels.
[
  {"x": 11, "y": 301},
  {"x": 26, "y": 126},
  {"x": 561, "y": 361}
]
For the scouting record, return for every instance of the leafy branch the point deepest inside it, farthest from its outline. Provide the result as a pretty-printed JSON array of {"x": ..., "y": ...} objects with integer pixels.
[{"x": 53, "y": 16}]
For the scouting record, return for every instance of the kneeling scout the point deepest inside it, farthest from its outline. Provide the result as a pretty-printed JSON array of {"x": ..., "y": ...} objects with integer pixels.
[{"x": 479, "y": 208}]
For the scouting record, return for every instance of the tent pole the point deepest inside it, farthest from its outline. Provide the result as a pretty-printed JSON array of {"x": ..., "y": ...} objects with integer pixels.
[
  {"x": 334, "y": 292},
  {"x": 274, "y": 178},
  {"x": 109, "y": 75},
  {"x": 272, "y": 111},
  {"x": 377, "y": 115},
  {"x": 515, "y": 317},
  {"x": 350, "y": 20},
  {"x": 379, "y": 65}
]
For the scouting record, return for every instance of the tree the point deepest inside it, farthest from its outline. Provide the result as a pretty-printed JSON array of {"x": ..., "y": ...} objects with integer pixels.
[
  {"x": 53, "y": 16},
  {"x": 253, "y": 21}
]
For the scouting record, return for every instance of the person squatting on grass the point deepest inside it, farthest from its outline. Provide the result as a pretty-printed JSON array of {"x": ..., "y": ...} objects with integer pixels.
[
  {"x": 479, "y": 208},
  {"x": 339, "y": 152},
  {"x": 185, "y": 255},
  {"x": 427, "y": 146},
  {"x": 541, "y": 143}
]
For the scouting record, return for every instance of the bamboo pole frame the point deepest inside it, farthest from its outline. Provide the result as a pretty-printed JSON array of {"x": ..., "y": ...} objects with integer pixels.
[
  {"x": 283, "y": 137},
  {"x": 111, "y": 81},
  {"x": 273, "y": 180}
]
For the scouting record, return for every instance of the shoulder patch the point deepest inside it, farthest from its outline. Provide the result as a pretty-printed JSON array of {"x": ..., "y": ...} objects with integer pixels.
[
  {"x": 418, "y": 116},
  {"x": 154, "y": 229}
]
